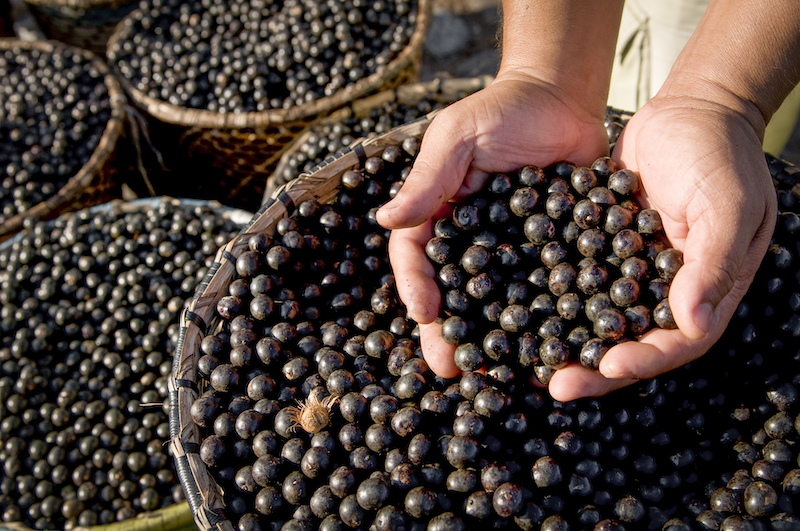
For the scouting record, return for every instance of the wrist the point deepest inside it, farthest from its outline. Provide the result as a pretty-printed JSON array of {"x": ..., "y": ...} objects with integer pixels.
[
  {"x": 698, "y": 91},
  {"x": 567, "y": 45},
  {"x": 742, "y": 56},
  {"x": 586, "y": 106}
]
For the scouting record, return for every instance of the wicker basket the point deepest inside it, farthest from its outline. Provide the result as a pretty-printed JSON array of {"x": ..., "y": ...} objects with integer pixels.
[
  {"x": 175, "y": 518},
  {"x": 227, "y": 156},
  {"x": 439, "y": 92},
  {"x": 85, "y": 24},
  {"x": 198, "y": 319},
  {"x": 94, "y": 182}
]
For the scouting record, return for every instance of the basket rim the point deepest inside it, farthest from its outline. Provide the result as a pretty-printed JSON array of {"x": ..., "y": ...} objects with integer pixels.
[
  {"x": 101, "y": 154},
  {"x": 204, "y": 118},
  {"x": 197, "y": 318},
  {"x": 405, "y": 93},
  {"x": 409, "y": 92},
  {"x": 237, "y": 215}
]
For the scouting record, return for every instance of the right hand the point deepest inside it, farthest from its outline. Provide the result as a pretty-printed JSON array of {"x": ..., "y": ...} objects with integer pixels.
[{"x": 516, "y": 121}]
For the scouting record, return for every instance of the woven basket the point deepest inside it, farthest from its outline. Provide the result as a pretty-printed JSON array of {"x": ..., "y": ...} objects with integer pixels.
[
  {"x": 439, "y": 92},
  {"x": 85, "y": 24},
  {"x": 94, "y": 182},
  {"x": 230, "y": 155},
  {"x": 175, "y": 518},
  {"x": 198, "y": 319}
]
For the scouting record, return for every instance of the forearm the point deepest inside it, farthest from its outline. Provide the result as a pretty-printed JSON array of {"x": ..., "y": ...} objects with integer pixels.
[
  {"x": 744, "y": 54},
  {"x": 567, "y": 43}
]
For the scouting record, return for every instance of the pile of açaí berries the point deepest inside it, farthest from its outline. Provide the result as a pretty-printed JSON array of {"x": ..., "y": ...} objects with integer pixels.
[
  {"x": 54, "y": 107},
  {"x": 319, "y": 412},
  {"x": 563, "y": 260},
  {"x": 251, "y": 56},
  {"x": 88, "y": 326}
]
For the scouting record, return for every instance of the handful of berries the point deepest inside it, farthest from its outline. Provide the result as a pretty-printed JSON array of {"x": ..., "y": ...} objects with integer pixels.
[{"x": 552, "y": 265}]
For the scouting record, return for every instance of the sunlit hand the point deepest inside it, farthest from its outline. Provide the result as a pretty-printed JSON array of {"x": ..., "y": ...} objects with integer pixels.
[
  {"x": 514, "y": 122},
  {"x": 703, "y": 169}
]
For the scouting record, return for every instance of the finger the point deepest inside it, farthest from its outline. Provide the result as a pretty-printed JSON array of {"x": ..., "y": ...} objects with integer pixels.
[
  {"x": 575, "y": 381},
  {"x": 655, "y": 353},
  {"x": 718, "y": 268},
  {"x": 436, "y": 176},
  {"x": 414, "y": 273},
  {"x": 437, "y": 353}
]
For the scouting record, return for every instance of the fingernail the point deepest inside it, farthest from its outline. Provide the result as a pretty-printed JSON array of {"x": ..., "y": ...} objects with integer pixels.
[
  {"x": 615, "y": 374},
  {"x": 613, "y": 371},
  {"x": 703, "y": 315},
  {"x": 394, "y": 203}
]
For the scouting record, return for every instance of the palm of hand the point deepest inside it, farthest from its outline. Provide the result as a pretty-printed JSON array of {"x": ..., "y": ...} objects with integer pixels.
[
  {"x": 513, "y": 123},
  {"x": 705, "y": 172}
]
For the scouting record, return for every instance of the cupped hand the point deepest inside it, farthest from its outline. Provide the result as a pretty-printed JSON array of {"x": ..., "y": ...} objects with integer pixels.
[
  {"x": 514, "y": 122},
  {"x": 702, "y": 167}
]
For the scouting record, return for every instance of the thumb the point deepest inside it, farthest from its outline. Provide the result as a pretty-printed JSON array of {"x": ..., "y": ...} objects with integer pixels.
[
  {"x": 721, "y": 256},
  {"x": 438, "y": 172}
]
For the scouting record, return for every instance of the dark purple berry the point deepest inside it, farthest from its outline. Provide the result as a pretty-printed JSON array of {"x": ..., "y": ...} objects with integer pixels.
[
  {"x": 623, "y": 182},
  {"x": 648, "y": 221},
  {"x": 627, "y": 243},
  {"x": 668, "y": 262},
  {"x": 559, "y": 205},
  {"x": 624, "y": 292},
  {"x": 583, "y": 179},
  {"x": 515, "y": 318},
  {"x": 662, "y": 315},
  {"x": 592, "y": 352},
  {"x": 508, "y": 500},
  {"x": 466, "y": 217},
  {"x": 587, "y": 214},
  {"x": 539, "y": 229},
  {"x": 610, "y": 324}
]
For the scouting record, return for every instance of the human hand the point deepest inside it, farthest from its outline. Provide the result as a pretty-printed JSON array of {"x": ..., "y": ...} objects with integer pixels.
[
  {"x": 516, "y": 121},
  {"x": 702, "y": 167}
]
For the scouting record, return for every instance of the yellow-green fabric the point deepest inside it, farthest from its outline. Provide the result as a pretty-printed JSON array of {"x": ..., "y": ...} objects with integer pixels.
[{"x": 651, "y": 36}]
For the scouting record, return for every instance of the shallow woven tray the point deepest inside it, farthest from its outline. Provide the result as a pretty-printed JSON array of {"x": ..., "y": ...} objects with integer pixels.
[
  {"x": 94, "y": 181},
  {"x": 174, "y": 518},
  {"x": 444, "y": 91},
  {"x": 244, "y": 148},
  {"x": 86, "y": 24},
  {"x": 198, "y": 319}
]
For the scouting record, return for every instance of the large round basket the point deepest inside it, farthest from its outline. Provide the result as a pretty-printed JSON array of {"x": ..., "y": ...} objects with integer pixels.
[
  {"x": 199, "y": 318},
  {"x": 437, "y": 92},
  {"x": 86, "y": 24},
  {"x": 227, "y": 156},
  {"x": 678, "y": 428},
  {"x": 175, "y": 514},
  {"x": 94, "y": 182},
  {"x": 175, "y": 518}
]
